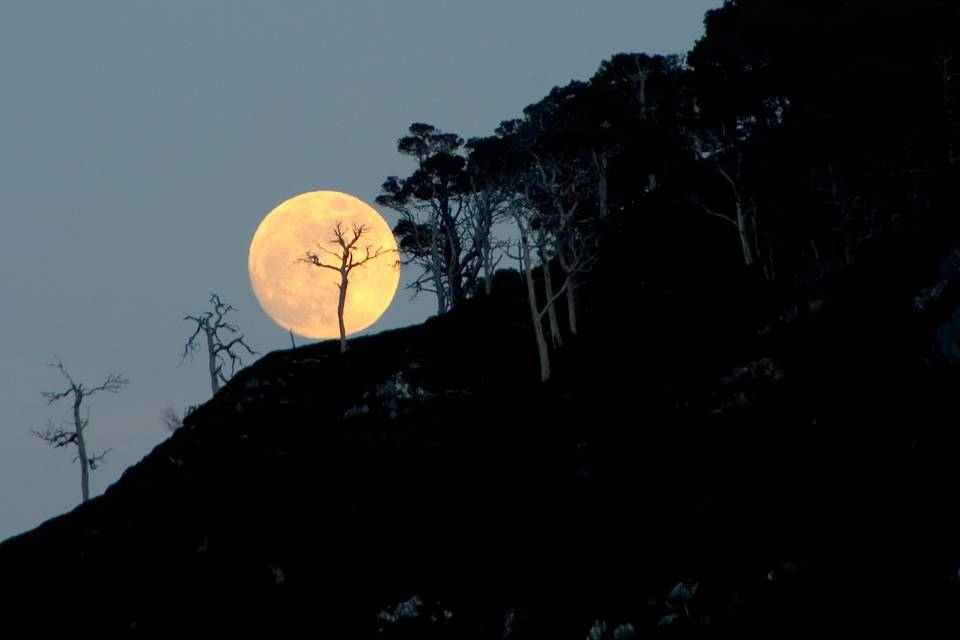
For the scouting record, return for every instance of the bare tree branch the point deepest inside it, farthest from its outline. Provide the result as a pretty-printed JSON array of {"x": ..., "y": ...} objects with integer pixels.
[
  {"x": 55, "y": 436},
  {"x": 348, "y": 262},
  {"x": 96, "y": 460},
  {"x": 113, "y": 384}
]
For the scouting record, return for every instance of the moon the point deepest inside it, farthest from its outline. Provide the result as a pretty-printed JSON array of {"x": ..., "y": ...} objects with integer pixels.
[{"x": 303, "y": 297}]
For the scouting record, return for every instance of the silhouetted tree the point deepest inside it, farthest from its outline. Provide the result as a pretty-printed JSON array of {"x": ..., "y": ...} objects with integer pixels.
[
  {"x": 345, "y": 260},
  {"x": 73, "y": 433},
  {"x": 487, "y": 203},
  {"x": 566, "y": 190},
  {"x": 433, "y": 231},
  {"x": 560, "y": 174},
  {"x": 531, "y": 237},
  {"x": 219, "y": 349}
]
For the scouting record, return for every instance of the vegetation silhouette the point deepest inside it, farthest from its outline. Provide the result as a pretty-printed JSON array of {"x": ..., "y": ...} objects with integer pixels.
[{"x": 746, "y": 418}]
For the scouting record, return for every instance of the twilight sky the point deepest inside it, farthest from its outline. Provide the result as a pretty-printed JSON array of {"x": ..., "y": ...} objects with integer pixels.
[{"x": 142, "y": 141}]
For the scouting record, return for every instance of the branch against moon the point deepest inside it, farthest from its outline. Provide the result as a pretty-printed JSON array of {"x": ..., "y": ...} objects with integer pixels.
[
  {"x": 344, "y": 260},
  {"x": 73, "y": 433},
  {"x": 280, "y": 282}
]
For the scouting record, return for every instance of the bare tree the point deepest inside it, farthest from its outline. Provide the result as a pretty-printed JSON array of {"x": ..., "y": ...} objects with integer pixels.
[
  {"x": 72, "y": 433},
  {"x": 346, "y": 259},
  {"x": 220, "y": 351}
]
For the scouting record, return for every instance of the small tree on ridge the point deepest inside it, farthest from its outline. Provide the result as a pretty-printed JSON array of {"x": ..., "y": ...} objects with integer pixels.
[
  {"x": 73, "y": 432},
  {"x": 348, "y": 258}
]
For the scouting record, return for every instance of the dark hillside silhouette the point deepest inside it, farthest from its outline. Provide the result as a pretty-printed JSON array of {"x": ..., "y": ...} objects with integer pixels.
[{"x": 748, "y": 423}]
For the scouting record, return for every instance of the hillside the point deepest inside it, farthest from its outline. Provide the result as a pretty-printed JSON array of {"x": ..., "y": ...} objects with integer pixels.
[
  {"x": 795, "y": 472},
  {"x": 752, "y": 431}
]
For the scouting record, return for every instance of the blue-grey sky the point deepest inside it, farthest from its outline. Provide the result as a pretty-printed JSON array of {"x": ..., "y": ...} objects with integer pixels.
[{"x": 142, "y": 141}]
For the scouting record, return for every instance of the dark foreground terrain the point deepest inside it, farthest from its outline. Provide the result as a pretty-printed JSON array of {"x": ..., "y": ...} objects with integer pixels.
[{"x": 754, "y": 466}]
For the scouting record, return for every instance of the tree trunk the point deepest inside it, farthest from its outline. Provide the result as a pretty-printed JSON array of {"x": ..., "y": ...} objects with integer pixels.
[
  {"x": 542, "y": 351},
  {"x": 642, "y": 93},
  {"x": 341, "y": 303},
  {"x": 437, "y": 267},
  {"x": 81, "y": 449},
  {"x": 454, "y": 270},
  {"x": 571, "y": 305},
  {"x": 487, "y": 266},
  {"x": 557, "y": 338},
  {"x": 602, "y": 197},
  {"x": 212, "y": 361}
]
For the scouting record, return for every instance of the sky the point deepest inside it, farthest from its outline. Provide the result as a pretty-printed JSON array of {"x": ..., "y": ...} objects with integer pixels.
[{"x": 142, "y": 141}]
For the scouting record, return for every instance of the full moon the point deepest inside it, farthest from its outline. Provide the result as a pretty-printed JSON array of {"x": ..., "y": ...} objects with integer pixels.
[{"x": 303, "y": 297}]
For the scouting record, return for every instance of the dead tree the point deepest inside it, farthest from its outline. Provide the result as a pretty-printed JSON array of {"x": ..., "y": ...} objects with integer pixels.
[
  {"x": 72, "y": 433},
  {"x": 345, "y": 260},
  {"x": 219, "y": 350}
]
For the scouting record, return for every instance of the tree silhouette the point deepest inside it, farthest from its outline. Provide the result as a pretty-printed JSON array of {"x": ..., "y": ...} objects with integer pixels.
[
  {"x": 346, "y": 260},
  {"x": 219, "y": 352},
  {"x": 487, "y": 203},
  {"x": 73, "y": 432},
  {"x": 433, "y": 229}
]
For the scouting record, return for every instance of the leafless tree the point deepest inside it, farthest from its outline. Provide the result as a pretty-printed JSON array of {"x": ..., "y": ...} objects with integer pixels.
[
  {"x": 220, "y": 350},
  {"x": 72, "y": 433},
  {"x": 347, "y": 258}
]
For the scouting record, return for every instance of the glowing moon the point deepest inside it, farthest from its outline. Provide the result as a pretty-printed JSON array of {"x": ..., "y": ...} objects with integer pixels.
[{"x": 303, "y": 297}]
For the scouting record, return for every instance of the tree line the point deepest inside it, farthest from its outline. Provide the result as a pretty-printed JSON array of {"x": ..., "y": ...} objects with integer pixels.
[
  {"x": 745, "y": 157},
  {"x": 792, "y": 134}
]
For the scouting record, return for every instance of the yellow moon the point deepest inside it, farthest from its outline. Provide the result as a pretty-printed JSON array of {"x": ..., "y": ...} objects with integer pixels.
[{"x": 303, "y": 297}]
